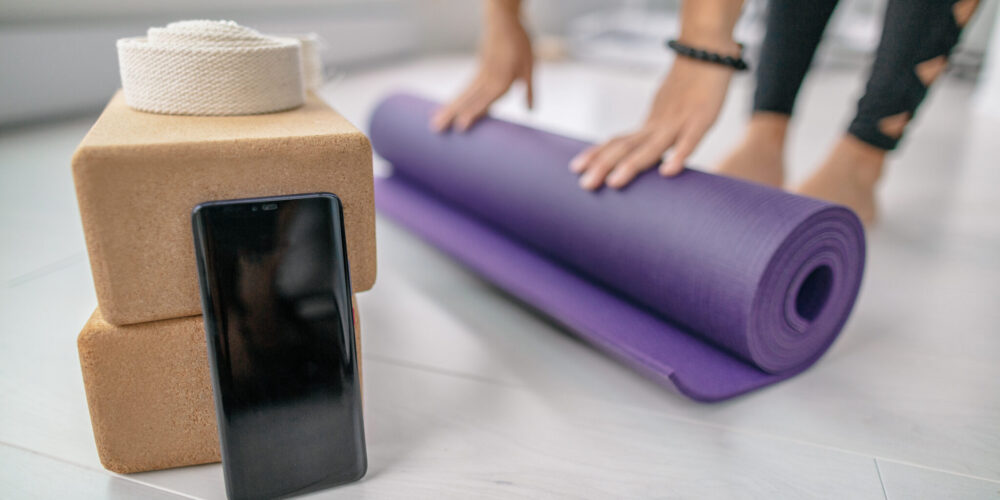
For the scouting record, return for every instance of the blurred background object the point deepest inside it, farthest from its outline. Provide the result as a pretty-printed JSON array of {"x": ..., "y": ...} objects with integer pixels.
[
  {"x": 57, "y": 57},
  {"x": 471, "y": 393}
]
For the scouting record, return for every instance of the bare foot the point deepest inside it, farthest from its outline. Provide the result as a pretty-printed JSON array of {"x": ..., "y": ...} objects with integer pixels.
[
  {"x": 848, "y": 177},
  {"x": 760, "y": 157}
]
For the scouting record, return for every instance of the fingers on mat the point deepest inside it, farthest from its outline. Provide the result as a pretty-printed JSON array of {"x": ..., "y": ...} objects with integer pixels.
[
  {"x": 605, "y": 160},
  {"x": 476, "y": 106},
  {"x": 453, "y": 111},
  {"x": 442, "y": 119},
  {"x": 579, "y": 162},
  {"x": 686, "y": 143},
  {"x": 445, "y": 117},
  {"x": 529, "y": 90},
  {"x": 640, "y": 159}
]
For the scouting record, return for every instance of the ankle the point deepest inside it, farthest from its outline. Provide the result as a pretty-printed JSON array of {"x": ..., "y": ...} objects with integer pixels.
[
  {"x": 768, "y": 129},
  {"x": 863, "y": 161}
]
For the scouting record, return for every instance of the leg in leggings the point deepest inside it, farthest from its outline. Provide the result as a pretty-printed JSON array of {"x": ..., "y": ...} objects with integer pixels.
[
  {"x": 794, "y": 30},
  {"x": 917, "y": 39}
]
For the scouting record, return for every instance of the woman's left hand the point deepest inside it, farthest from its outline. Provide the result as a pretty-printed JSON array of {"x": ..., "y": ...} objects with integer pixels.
[{"x": 686, "y": 105}]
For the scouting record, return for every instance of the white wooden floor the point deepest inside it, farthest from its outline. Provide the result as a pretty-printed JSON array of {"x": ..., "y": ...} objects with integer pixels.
[{"x": 469, "y": 394}]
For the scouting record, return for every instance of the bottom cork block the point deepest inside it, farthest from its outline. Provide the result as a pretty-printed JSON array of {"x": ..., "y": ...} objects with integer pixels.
[{"x": 150, "y": 393}]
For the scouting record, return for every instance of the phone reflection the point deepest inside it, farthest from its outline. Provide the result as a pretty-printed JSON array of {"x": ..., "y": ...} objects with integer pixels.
[{"x": 283, "y": 346}]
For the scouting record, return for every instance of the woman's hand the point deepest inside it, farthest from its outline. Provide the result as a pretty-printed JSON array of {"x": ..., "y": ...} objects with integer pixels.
[
  {"x": 685, "y": 107},
  {"x": 505, "y": 57}
]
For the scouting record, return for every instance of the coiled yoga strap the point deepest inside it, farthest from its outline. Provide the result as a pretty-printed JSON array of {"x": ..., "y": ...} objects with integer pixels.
[{"x": 216, "y": 68}]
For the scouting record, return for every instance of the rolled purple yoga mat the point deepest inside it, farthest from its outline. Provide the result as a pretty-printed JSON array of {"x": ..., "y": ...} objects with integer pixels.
[{"x": 714, "y": 285}]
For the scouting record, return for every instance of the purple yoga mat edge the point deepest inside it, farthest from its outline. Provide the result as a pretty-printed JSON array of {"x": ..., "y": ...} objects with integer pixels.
[
  {"x": 406, "y": 204},
  {"x": 630, "y": 332}
]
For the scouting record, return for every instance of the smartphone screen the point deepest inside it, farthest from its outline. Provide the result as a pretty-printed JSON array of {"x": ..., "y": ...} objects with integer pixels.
[{"x": 278, "y": 318}]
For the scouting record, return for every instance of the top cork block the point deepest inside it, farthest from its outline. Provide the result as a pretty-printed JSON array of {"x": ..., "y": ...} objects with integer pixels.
[{"x": 138, "y": 176}]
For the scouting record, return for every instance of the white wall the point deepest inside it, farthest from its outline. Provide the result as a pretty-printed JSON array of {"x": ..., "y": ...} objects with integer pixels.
[
  {"x": 987, "y": 99},
  {"x": 57, "y": 57}
]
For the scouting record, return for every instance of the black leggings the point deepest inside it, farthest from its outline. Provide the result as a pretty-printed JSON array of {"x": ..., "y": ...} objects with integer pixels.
[{"x": 917, "y": 38}]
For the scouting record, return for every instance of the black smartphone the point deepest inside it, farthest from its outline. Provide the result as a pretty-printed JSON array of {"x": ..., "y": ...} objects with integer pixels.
[{"x": 276, "y": 298}]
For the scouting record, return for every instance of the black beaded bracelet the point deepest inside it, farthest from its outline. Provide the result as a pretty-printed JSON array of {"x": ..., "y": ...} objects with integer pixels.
[{"x": 737, "y": 63}]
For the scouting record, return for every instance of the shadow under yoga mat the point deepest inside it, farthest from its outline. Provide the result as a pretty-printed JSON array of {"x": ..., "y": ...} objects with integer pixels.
[{"x": 713, "y": 285}]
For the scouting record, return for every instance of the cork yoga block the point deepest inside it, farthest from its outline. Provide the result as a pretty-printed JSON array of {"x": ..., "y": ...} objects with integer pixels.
[
  {"x": 150, "y": 393},
  {"x": 138, "y": 175}
]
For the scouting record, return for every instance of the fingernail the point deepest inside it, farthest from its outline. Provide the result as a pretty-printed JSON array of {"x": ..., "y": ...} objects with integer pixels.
[
  {"x": 576, "y": 164},
  {"x": 440, "y": 123},
  {"x": 585, "y": 181},
  {"x": 616, "y": 179}
]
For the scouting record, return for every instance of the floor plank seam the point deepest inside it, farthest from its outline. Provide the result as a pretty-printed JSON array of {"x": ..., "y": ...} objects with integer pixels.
[
  {"x": 746, "y": 432},
  {"x": 935, "y": 469},
  {"x": 46, "y": 270},
  {"x": 380, "y": 358},
  {"x": 92, "y": 469},
  {"x": 156, "y": 487},
  {"x": 878, "y": 471}
]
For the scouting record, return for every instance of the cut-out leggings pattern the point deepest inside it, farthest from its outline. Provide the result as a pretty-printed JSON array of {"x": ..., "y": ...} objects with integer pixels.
[{"x": 917, "y": 38}]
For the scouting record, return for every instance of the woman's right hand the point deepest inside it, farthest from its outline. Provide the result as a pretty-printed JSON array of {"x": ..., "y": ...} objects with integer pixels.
[
  {"x": 505, "y": 58},
  {"x": 686, "y": 105}
]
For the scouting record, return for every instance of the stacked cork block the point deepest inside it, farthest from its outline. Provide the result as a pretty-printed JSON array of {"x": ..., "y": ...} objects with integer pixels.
[{"x": 138, "y": 176}]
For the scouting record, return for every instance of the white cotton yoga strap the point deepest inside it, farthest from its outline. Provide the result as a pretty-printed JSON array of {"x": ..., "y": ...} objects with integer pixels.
[
  {"x": 312, "y": 63},
  {"x": 213, "y": 68}
]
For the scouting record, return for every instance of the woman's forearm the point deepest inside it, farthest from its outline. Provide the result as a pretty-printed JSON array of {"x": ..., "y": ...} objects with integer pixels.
[{"x": 708, "y": 24}]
